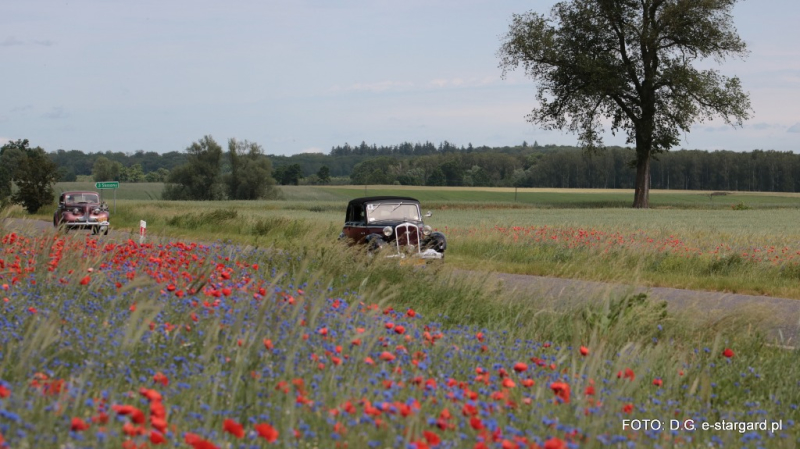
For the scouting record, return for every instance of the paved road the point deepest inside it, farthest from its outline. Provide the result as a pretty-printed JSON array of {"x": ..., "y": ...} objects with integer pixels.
[{"x": 780, "y": 316}]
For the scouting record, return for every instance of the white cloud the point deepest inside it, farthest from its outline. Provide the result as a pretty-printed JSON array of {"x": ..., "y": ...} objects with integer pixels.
[
  {"x": 380, "y": 86},
  {"x": 462, "y": 82},
  {"x": 311, "y": 150},
  {"x": 794, "y": 128},
  {"x": 4, "y": 140}
]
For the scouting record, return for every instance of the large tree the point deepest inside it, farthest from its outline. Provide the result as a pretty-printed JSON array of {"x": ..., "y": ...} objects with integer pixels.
[
  {"x": 251, "y": 172},
  {"x": 631, "y": 62},
  {"x": 10, "y": 156},
  {"x": 33, "y": 173},
  {"x": 200, "y": 177}
]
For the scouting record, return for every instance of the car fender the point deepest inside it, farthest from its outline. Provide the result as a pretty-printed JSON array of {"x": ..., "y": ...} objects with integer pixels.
[
  {"x": 436, "y": 241},
  {"x": 375, "y": 241}
]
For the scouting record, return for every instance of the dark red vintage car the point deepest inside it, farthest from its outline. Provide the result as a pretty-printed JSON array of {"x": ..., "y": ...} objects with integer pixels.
[
  {"x": 82, "y": 210},
  {"x": 392, "y": 225}
]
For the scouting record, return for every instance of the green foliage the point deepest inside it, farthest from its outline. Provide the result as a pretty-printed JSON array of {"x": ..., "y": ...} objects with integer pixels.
[
  {"x": 288, "y": 175},
  {"x": 210, "y": 219},
  {"x": 437, "y": 178},
  {"x": 251, "y": 172},
  {"x": 324, "y": 174},
  {"x": 200, "y": 177},
  {"x": 105, "y": 170},
  {"x": 34, "y": 175},
  {"x": 133, "y": 173},
  {"x": 10, "y": 156},
  {"x": 741, "y": 206},
  {"x": 630, "y": 315},
  {"x": 630, "y": 62}
]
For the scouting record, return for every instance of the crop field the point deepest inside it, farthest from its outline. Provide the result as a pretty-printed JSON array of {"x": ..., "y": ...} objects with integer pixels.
[
  {"x": 743, "y": 242},
  {"x": 179, "y": 343}
]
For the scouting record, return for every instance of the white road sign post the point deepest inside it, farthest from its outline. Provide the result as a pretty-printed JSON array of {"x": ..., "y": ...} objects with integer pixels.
[{"x": 142, "y": 230}]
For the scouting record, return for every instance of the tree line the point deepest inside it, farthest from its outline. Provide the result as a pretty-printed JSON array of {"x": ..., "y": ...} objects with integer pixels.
[
  {"x": 204, "y": 171},
  {"x": 524, "y": 165},
  {"x": 571, "y": 167}
]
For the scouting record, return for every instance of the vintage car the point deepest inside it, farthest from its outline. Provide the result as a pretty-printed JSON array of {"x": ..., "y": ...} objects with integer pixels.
[
  {"x": 392, "y": 225},
  {"x": 82, "y": 210}
]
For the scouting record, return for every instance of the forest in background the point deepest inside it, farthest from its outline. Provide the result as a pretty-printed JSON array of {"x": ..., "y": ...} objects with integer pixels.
[{"x": 446, "y": 164}]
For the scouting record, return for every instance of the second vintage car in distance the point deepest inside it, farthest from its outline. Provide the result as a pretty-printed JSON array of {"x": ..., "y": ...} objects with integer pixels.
[
  {"x": 82, "y": 210},
  {"x": 393, "y": 226}
]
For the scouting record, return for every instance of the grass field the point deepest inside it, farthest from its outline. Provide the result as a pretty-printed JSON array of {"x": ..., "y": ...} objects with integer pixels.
[
  {"x": 591, "y": 198},
  {"x": 694, "y": 243}
]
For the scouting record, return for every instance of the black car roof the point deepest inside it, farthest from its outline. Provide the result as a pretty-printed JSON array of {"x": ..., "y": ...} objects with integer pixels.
[{"x": 372, "y": 199}]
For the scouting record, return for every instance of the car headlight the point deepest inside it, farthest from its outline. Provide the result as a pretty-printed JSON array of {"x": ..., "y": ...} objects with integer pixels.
[
  {"x": 96, "y": 211},
  {"x": 76, "y": 211},
  {"x": 427, "y": 230},
  {"x": 387, "y": 231}
]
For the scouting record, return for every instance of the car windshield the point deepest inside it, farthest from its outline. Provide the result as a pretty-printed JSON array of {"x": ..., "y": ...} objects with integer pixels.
[
  {"x": 392, "y": 211},
  {"x": 83, "y": 198}
]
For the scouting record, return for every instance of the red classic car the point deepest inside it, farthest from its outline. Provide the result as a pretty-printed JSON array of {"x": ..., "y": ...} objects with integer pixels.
[
  {"x": 392, "y": 225},
  {"x": 82, "y": 210}
]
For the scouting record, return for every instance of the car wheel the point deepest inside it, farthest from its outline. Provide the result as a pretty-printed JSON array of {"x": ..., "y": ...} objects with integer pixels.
[{"x": 105, "y": 231}]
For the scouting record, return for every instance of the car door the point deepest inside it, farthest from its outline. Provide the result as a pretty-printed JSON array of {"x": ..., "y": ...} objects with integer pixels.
[{"x": 355, "y": 226}]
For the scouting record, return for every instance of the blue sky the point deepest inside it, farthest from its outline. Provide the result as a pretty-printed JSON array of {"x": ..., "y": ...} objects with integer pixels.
[{"x": 306, "y": 75}]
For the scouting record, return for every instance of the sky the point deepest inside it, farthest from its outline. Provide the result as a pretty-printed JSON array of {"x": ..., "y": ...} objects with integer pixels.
[{"x": 306, "y": 75}]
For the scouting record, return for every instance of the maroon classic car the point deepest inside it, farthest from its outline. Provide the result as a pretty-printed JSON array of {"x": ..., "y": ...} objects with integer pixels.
[
  {"x": 392, "y": 225},
  {"x": 82, "y": 210}
]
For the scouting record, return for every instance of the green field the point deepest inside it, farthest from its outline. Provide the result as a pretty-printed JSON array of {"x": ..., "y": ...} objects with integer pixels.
[
  {"x": 553, "y": 198},
  {"x": 695, "y": 242}
]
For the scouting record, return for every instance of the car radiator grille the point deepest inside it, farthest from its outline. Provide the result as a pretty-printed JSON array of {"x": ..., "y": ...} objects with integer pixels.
[{"x": 407, "y": 235}]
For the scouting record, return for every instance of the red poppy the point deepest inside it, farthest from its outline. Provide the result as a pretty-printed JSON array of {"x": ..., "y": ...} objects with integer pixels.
[
  {"x": 628, "y": 374},
  {"x": 561, "y": 389},
  {"x": 85, "y": 280},
  {"x": 554, "y": 443},
  {"x": 198, "y": 442},
  {"x": 267, "y": 432},
  {"x": 78, "y": 425},
  {"x": 476, "y": 423},
  {"x": 233, "y": 428},
  {"x": 520, "y": 367},
  {"x": 387, "y": 356},
  {"x": 584, "y": 351},
  {"x": 627, "y": 408},
  {"x": 4, "y": 392},
  {"x": 156, "y": 437},
  {"x": 658, "y": 382},
  {"x": 728, "y": 352},
  {"x": 160, "y": 378},
  {"x": 151, "y": 395},
  {"x": 431, "y": 438}
]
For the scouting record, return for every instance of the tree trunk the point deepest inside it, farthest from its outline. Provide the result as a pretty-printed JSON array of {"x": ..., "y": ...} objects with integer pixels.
[{"x": 641, "y": 197}]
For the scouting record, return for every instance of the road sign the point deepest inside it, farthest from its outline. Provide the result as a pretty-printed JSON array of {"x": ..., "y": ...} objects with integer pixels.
[{"x": 107, "y": 185}]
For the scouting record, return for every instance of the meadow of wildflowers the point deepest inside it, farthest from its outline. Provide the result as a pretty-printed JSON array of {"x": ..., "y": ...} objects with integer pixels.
[{"x": 111, "y": 343}]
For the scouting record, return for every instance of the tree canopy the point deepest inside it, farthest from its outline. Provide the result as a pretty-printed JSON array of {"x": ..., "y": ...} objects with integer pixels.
[
  {"x": 33, "y": 173},
  {"x": 629, "y": 61}
]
